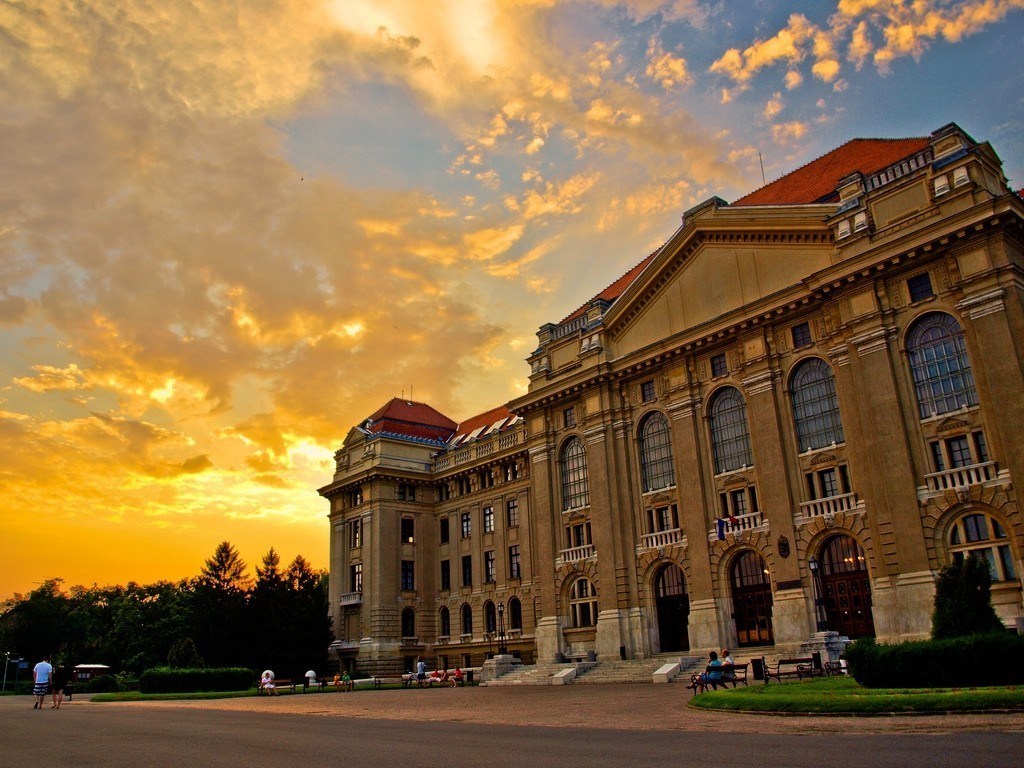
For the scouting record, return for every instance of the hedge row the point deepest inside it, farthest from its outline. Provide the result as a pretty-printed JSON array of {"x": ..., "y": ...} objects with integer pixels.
[
  {"x": 991, "y": 659},
  {"x": 168, "y": 680}
]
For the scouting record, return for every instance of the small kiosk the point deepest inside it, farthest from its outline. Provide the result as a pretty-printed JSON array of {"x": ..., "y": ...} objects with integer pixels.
[{"x": 81, "y": 674}]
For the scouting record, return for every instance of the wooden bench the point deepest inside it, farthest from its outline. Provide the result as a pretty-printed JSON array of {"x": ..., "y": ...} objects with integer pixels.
[
  {"x": 406, "y": 680},
  {"x": 726, "y": 673},
  {"x": 796, "y": 667},
  {"x": 278, "y": 685}
]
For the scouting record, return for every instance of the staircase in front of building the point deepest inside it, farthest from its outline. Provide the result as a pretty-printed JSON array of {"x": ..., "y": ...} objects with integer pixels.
[{"x": 598, "y": 672}]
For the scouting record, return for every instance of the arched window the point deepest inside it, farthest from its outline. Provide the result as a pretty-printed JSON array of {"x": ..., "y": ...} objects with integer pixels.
[
  {"x": 940, "y": 366},
  {"x": 980, "y": 535},
  {"x": 573, "y": 465},
  {"x": 515, "y": 614},
  {"x": 490, "y": 617},
  {"x": 656, "y": 453},
  {"x": 815, "y": 407},
  {"x": 408, "y": 622},
  {"x": 730, "y": 437},
  {"x": 582, "y": 603},
  {"x": 467, "y": 619},
  {"x": 446, "y": 622}
]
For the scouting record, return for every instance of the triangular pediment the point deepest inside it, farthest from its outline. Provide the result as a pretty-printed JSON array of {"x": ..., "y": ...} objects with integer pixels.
[{"x": 723, "y": 262}]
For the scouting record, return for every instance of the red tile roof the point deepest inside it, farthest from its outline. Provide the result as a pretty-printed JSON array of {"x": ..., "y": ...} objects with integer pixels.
[
  {"x": 405, "y": 417},
  {"x": 485, "y": 419},
  {"x": 816, "y": 182}
]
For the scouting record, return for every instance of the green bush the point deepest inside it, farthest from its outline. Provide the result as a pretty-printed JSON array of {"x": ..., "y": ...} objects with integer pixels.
[
  {"x": 990, "y": 659},
  {"x": 101, "y": 684},
  {"x": 167, "y": 680}
]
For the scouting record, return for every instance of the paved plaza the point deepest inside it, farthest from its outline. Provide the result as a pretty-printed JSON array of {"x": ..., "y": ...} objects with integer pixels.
[{"x": 608, "y": 725}]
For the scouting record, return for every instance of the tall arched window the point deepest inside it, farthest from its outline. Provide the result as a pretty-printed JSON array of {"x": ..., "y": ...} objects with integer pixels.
[
  {"x": 939, "y": 364},
  {"x": 815, "y": 406},
  {"x": 582, "y": 603},
  {"x": 656, "y": 453},
  {"x": 490, "y": 617},
  {"x": 573, "y": 465},
  {"x": 730, "y": 437},
  {"x": 980, "y": 535},
  {"x": 446, "y": 622},
  {"x": 408, "y": 622},
  {"x": 515, "y": 614},
  {"x": 467, "y": 619}
]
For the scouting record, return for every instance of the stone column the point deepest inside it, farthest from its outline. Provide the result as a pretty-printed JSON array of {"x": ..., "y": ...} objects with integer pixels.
[
  {"x": 791, "y": 620},
  {"x": 903, "y": 587},
  {"x": 545, "y": 522},
  {"x": 690, "y": 458}
]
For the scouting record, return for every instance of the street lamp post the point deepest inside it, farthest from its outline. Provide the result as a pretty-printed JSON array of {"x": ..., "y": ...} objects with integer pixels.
[
  {"x": 502, "y": 649},
  {"x": 7, "y": 660},
  {"x": 820, "y": 618}
]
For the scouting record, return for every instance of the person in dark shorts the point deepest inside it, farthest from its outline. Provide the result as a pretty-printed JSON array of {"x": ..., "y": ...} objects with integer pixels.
[
  {"x": 41, "y": 674},
  {"x": 60, "y": 683}
]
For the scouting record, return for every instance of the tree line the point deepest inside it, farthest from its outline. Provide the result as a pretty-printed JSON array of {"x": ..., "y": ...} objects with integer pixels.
[{"x": 221, "y": 617}]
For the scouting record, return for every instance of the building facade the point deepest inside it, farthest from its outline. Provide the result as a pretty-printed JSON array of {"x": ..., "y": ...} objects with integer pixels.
[{"x": 785, "y": 419}]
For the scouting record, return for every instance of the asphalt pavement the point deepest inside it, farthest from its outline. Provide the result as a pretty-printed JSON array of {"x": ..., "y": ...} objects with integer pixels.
[{"x": 607, "y": 725}]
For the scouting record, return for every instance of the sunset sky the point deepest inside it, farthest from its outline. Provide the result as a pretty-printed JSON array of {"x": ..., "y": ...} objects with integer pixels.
[{"x": 231, "y": 230}]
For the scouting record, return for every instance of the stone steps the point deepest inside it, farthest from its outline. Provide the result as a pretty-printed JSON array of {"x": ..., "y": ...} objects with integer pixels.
[{"x": 598, "y": 673}]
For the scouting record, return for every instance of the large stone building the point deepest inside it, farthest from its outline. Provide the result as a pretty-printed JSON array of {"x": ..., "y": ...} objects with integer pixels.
[{"x": 786, "y": 419}]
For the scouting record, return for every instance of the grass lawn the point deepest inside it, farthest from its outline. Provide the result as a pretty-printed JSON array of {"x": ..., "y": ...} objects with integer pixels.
[{"x": 842, "y": 695}]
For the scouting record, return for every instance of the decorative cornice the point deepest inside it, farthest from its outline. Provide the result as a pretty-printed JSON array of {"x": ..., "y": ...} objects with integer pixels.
[
  {"x": 983, "y": 304},
  {"x": 876, "y": 340},
  {"x": 759, "y": 383}
]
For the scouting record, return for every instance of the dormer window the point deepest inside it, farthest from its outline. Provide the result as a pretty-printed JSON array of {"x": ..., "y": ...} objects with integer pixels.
[
  {"x": 843, "y": 229},
  {"x": 960, "y": 176},
  {"x": 941, "y": 185},
  {"x": 860, "y": 222}
]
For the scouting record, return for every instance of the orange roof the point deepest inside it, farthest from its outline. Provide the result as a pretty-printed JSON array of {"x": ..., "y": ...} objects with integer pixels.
[
  {"x": 613, "y": 291},
  {"x": 816, "y": 182},
  {"x": 485, "y": 419},
  {"x": 405, "y": 417}
]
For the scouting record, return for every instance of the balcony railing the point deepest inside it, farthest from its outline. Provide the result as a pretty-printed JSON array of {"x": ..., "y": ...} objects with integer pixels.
[
  {"x": 750, "y": 522},
  {"x": 961, "y": 477},
  {"x": 481, "y": 448},
  {"x": 575, "y": 554},
  {"x": 829, "y": 506},
  {"x": 660, "y": 539},
  {"x": 352, "y": 598}
]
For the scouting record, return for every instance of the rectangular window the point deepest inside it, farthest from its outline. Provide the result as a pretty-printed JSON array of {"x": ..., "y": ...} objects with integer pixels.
[
  {"x": 752, "y": 495},
  {"x": 647, "y": 393},
  {"x": 829, "y": 482},
  {"x": 515, "y": 570},
  {"x": 464, "y": 486},
  {"x": 812, "y": 489},
  {"x": 408, "y": 530},
  {"x": 941, "y": 185},
  {"x": 738, "y": 499},
  {"x": 719, "y": 367},
  {"x": 467, "y": 570},
  {"x": 355, "y": 497},
  {"x": 981, "y": 447},
  {"x": 355, "y": 580},
  {"x": 578, "y": 535},
  {"x": 511, "y": 472},
  {"x": 920, "y": 287},
  {"x": 486, "y": 479},
  {"x": 860, "y": 221},
  {"x": 960, "y": 176},
  {"x": 355, "y": 534},
  {"x": 408, "y": 575},
  {"x": 569, "y": 417},
  {"x": 959, "y": 452},
  {"x": 489, "y": 570},
  {"x": 512, "y": 513},
  {"x": 444, "y": 492},
  {"x": 844, "y": 479},
  {"x": 446, "y": 575},
  {"x": 467, "y": 524},
  {"x": 444, "y": 530},
  {"x": 488, "y": 519},
  {"x": 406, "y": 492},
  {"x": 801, "y": 335},
  {"x": 937, "y": 458}
]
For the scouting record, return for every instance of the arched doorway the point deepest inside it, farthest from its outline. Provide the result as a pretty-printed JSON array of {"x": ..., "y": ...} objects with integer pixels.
[
  {"x": 846, "y": 588},
  {"x": 673, "y": 606},
  {"x": 751, "y": 600}
]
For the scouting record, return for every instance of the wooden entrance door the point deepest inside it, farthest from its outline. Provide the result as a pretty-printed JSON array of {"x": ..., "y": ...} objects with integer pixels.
[
  {"x": 673, "y": 609},
  {"x": 846, "y": 588},
  {"x": 752, "y": 600}
]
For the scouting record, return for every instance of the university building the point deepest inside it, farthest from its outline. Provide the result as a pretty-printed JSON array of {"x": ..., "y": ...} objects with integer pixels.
[{"x": 786, "y": 419}]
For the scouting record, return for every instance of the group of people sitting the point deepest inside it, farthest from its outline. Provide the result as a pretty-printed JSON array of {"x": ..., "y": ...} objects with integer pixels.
[
  {"x": 442, "y": 677},
  {"x": 712, "y": 675},
  {"x": 344, "y": 682}
]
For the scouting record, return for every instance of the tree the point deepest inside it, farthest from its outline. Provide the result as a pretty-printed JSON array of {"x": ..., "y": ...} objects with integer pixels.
[
  {"x": 963, "y": 604},
  {"x": 183, "y": 654},
  {"x": 226, "y": 569}
]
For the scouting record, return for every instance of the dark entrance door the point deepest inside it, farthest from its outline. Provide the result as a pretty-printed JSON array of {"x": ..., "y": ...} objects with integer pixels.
[
  {"x": 752, "y": 600},
  {"x": 673, "y": 609},
  {"x": 846, "y": 588}
]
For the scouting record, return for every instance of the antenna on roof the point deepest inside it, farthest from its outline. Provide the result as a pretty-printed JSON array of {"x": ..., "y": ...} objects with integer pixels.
[{"x": 763, "y": 182}]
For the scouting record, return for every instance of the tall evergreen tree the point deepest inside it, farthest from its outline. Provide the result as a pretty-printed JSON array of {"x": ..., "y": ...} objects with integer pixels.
[{"x": 963, "y": 602}]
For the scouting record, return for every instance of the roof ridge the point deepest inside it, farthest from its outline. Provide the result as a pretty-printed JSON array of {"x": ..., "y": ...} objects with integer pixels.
[{"x": 637, "y": 268}]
